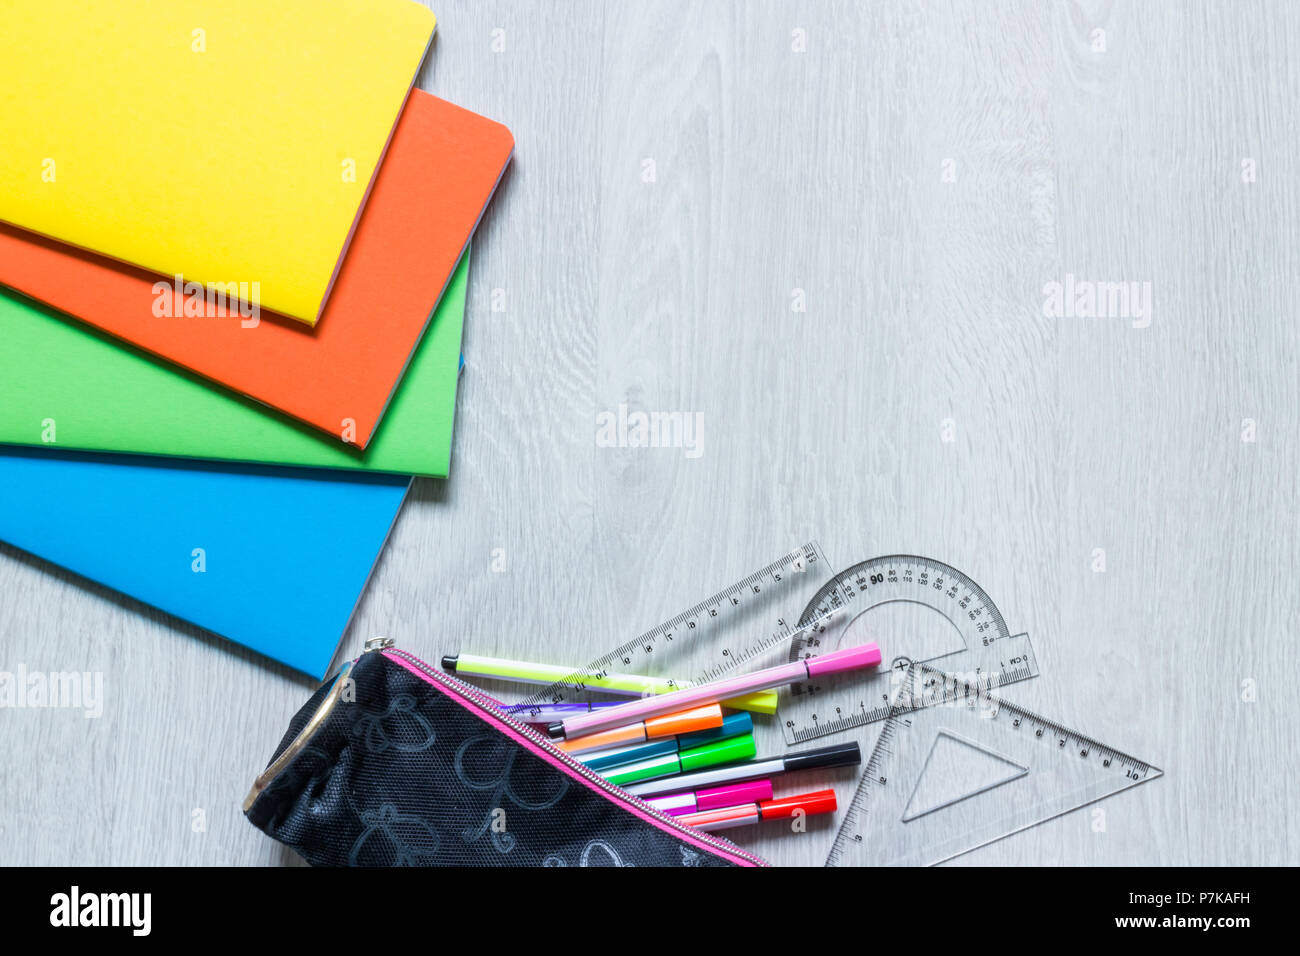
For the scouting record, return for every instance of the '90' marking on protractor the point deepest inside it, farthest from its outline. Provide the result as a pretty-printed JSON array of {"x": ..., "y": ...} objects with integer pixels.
[{"x": 916, "y": 609}]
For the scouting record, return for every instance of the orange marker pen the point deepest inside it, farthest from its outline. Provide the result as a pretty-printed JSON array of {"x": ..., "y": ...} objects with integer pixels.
[{"x": 706, "y": 717}]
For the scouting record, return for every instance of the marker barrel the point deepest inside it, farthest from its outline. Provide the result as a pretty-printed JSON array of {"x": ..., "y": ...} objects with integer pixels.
[
  {"x": 733, "y": 725},
  {"x": 603, "y": 760},
  {"x": 852, "y": 658},
  {"x": 804, "y": 804},
  {"x": 722, "y": 819},
  {"x": 633, "y": 685},
  {"x": 723, "y": 751},
  {"x": 714, "y": 798},
  {"x": 836, "y": 755},
  {"x": 706, "y": 717}
]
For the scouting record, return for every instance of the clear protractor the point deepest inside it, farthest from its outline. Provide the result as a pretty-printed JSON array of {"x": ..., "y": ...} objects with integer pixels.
[{"x": 915, "y": 608}]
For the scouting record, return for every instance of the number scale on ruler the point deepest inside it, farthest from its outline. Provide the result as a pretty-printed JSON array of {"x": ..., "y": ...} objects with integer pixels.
[
  {"x": 913, "y": 809},
  {"x": 777, "y": 585},
  {"x": 890, "y": 599}
]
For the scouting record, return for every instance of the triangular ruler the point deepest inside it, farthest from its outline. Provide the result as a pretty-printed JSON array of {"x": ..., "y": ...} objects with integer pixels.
[
  {"x": 955, "y": 769},
  {"x": 958, "y": 769}
]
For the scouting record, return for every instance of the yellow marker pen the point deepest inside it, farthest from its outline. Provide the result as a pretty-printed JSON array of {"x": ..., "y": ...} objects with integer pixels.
[{"x": 632, "y": 685}]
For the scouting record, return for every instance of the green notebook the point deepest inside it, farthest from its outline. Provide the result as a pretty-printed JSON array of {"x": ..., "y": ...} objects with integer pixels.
[{"x": 67, "y": 386}]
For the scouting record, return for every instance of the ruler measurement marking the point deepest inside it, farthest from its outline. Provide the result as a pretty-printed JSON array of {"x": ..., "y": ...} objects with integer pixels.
[
  {"x": 850, "y": 833},
  {"x": 732, "y": 597},
  {"x": 911, "y": 579},
  {"x": 1133, "y": 768}
]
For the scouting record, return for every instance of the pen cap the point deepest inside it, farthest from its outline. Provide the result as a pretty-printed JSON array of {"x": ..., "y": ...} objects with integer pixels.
[
  {"x": 811, "y": 804},
  {"x": 733, "y": 794},
  {"x": 840, "y": 755},
  {"x": 684, "y": 721},
  {"x": 733, "y": 725},
  {"x": 722, "y": 751},
  {"x": 849, "y": 659}
]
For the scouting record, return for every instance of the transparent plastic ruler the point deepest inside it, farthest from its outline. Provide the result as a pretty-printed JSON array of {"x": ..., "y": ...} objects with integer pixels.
[
  {"x": 747, "y": 624},
  {"x": 916, "y": 609},
  {"x": 956, "y": 768}
]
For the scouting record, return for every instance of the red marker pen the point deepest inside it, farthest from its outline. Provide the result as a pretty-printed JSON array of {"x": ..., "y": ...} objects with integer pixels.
[{"x": 820, "y": 801}]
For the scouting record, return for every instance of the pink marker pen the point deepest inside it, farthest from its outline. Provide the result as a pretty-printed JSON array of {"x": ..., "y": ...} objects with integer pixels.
[
  {"x": 853, "y": 658},
  {"x": 713, "y": 798}
]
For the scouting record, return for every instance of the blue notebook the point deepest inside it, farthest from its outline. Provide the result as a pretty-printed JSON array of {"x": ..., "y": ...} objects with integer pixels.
[{"x": 273, "y": 558}]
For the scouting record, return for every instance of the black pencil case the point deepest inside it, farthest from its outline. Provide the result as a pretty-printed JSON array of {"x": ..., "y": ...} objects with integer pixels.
[{"x": 393, "y": 763}]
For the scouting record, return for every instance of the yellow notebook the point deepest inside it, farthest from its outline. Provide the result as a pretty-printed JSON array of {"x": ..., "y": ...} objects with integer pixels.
[{"x": 226, "y": 141}]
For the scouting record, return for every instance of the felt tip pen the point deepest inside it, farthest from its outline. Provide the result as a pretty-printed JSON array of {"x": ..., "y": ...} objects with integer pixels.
[
  {"x": 524, "y": 672},
  {"x": 804, "y": 804},
  {"x": 733, "y": 725},
  {"x": 603, "y": 760},
  {"x": 853, "y": 658},
  {"x": 712, "y": 798},
  {"x": 837, "y": 755},
  {"x": 697, "y": 758},
  {"x": 706, "y": 717}
]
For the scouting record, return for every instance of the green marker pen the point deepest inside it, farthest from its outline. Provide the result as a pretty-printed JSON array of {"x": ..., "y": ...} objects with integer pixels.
[{"x": 729, "y": 750}]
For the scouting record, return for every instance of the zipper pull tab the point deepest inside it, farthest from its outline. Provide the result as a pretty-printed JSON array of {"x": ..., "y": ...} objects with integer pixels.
[{"x": 378, "y": 644}]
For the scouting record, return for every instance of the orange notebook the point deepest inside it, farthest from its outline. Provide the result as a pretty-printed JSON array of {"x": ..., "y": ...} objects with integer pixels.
[{"x": 442, "y": 167}]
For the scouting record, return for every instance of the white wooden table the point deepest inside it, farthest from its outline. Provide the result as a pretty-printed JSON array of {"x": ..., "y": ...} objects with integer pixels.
[{"x": 826, "y": 228}]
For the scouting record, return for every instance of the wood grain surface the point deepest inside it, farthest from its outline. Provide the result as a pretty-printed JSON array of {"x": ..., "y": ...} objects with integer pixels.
[{"x": 826, "y": 228}]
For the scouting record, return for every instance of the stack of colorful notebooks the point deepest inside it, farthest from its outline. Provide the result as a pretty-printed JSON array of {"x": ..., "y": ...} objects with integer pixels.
[{"x": 234, "y": 243}]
